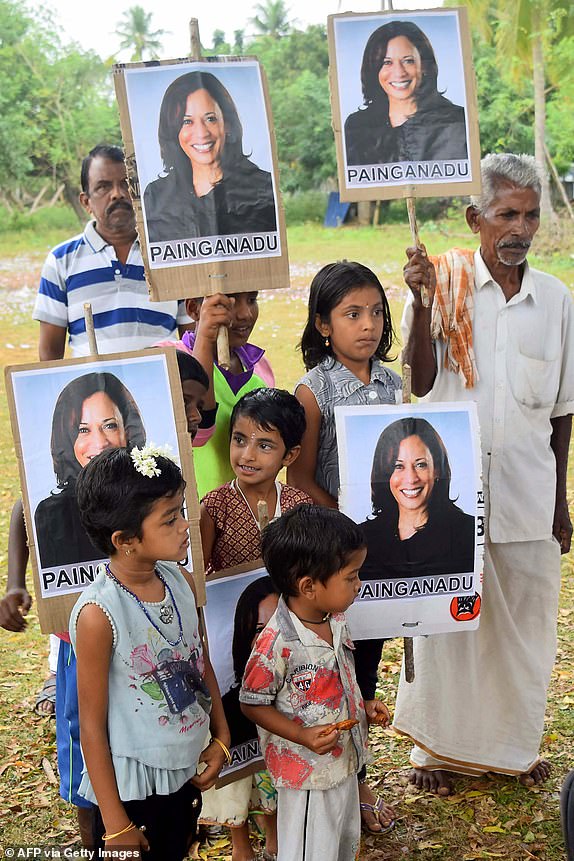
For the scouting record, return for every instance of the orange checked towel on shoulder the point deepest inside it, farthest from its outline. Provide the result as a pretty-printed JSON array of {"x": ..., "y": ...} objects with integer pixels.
[{"x": 452, "y": 311}]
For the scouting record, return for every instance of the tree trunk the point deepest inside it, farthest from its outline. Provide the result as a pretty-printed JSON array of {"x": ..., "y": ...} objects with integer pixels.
[
  {"x": 546, "y": 210},
  {"x": 71, "y": 196}
]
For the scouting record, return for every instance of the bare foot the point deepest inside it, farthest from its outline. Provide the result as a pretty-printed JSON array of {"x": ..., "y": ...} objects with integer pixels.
[
  {"x": 45, "y": 705},
  {"x": 538, "y": 775},
  {"x": 374, "y": 818},
  {"x": 439, "y": 781}
]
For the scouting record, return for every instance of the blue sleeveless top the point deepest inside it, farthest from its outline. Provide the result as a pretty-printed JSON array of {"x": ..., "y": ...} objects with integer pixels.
[{"x": 158, "y": 702}]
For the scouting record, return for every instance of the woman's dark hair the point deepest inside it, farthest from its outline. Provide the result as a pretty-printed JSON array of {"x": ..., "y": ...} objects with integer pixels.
[
  {"x": 113, "y": 496},
  {"x": 308, "y": 541},
  {"x": 171, "y": 116},
  {"x": 272, "y": 409},
  {"x": 385, "y": 458},
  {"x": 245, "y": 624},
  {"x": 328, "y": 289},
  {"x": 68, "y": 414},
  {"x": 375, "y": 52},
  {"x": 190, "y": 369}
]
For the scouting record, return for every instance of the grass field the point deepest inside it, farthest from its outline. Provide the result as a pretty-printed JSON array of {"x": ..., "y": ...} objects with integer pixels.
[{"x": 487, "y": 818}]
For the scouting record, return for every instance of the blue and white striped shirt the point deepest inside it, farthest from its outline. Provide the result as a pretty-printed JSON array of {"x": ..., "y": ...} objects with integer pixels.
[{"x": 85, "y": 269}]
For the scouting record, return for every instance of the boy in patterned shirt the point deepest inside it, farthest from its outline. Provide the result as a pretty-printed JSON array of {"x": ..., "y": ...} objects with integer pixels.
[{"x": 300, "y": 682}]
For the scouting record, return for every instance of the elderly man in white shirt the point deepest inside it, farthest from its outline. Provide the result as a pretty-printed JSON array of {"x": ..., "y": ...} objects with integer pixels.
[{"x": 478, "y": 700}]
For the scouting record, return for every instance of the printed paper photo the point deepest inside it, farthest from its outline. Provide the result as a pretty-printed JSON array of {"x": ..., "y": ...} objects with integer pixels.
[
  {"x": 403, "y": 103},
  {"x": 410, "y": 476}
]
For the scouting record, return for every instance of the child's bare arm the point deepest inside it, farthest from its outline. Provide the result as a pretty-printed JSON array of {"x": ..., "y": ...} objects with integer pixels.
[
  {"x": 213, "y": 312},
  {"x": 17, "y": 600},
  {"x": 93, "y": 652},
  {"x": 207, "y": 529},
  {"x": 301, "y": 473},
  {"x": 213, "y": 754},
  {"x": 311, "y": 737}
]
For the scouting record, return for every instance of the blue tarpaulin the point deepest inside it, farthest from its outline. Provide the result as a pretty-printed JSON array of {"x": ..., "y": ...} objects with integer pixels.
[{"x": 336, "y": 211}]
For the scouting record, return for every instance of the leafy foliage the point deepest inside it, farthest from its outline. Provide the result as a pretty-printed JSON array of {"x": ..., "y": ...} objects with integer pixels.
[
  {"x": 55, "y": 104},
  {"x": 271, "y": 18},
  {"x": 297, "y": 69},
  {"x": 136, "y": 33}
]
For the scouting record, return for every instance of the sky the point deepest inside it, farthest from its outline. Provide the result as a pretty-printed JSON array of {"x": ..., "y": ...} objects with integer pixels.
[{"x": 96, "y": 31}]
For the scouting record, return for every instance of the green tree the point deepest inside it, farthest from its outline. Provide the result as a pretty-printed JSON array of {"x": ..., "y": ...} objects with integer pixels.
[
  {"x": 55, "y": 104},
  {"x": 136, "y": 33},
  {"x": 297, "y": 70},
  {"x": 238, "y": 41},
  {"x": 218, "y": 40},
  {"x": 271, "y": 18},
  {"x": 305, "y": 141},
  {"x": 524, "y": 33},
  {"x": 505, "y": 107},
  {"x": 560, "y": 106}
]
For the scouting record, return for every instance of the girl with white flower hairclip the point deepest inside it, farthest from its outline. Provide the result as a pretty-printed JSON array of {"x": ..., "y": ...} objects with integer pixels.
[{"x": 150, "y": 707}]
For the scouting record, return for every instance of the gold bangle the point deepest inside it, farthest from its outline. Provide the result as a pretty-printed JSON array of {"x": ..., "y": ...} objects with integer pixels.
[
  {"x": 223, "y": 748},
  {"x": 125, "y": 830}
]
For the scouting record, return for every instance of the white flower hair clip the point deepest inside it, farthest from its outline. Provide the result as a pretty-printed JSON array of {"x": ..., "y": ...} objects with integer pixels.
[{"x": 144, "y": 459}]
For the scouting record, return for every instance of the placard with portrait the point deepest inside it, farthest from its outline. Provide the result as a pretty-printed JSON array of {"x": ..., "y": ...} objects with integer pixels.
[
  {"x": 411, "y": 477},
  {"x": 240, "y": 601},
  {"x": 63, "y": 414},
  {"x": 202, "y": 168},
  {"x": 404, "y": 104}
]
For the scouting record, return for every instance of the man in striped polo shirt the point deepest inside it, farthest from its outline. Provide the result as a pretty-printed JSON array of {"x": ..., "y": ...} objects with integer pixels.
[{"x": 103, "y": 266}]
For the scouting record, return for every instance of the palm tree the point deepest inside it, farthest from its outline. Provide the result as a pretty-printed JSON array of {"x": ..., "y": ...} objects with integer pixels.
[
  {"x": 271, "y": 18},
  {"x": 136, "y": 33},
  {"x": 524, "y": 31}
]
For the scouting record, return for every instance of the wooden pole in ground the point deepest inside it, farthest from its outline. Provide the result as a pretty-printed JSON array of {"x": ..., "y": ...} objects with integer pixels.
[
  {"x": 408, "y": 641},
  {"x": 416, "y": 241},
  {"x": 223, "y": 357}
]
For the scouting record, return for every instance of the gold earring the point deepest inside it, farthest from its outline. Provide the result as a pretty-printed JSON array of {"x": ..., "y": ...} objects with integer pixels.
[
  {"x": 127, "y": 552},
  {"x": 327, "y": 342}
]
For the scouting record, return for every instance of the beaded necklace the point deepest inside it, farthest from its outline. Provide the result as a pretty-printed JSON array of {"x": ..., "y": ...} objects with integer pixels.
[{"x": 140, "y": 604}]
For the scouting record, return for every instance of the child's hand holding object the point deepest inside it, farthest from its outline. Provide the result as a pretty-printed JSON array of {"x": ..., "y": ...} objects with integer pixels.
[{"x": 319, "y": 739}]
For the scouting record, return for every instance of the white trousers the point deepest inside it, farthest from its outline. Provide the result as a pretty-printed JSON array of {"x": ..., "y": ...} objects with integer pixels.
[{"x": 319, "y": 825}]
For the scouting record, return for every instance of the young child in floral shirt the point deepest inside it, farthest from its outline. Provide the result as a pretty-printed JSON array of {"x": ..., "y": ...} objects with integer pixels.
[{"x": 300, "y": 682}]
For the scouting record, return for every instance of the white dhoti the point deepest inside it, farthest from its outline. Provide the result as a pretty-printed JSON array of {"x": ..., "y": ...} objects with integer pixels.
[
  {"x": 478, "y": 700},
  {"x": 319, "y": 825}
]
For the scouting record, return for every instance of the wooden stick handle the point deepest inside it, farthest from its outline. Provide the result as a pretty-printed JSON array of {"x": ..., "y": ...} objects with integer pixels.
[
  {"x": 407, "y": 389},
  {"x": 262, "y": 514},
  {"x": 90, "y": 330},
  {"x": 223, "y": 356},
  {"x": 412, "y": 213},
  {"x": 194, "y": 41},
  {"x": 409, "y": 659},
  {"x": 408, "y": 641}
]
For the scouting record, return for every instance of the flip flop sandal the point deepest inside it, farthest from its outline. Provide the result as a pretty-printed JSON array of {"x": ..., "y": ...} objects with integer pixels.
[
  {"x": 567, "y": 814},
  {"x": 376, "y": 809},
  {"x": 47, "y": 693}
]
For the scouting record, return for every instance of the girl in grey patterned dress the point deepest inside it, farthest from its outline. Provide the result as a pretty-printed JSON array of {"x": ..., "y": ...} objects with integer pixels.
[{"x": 347, "y": 337}]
